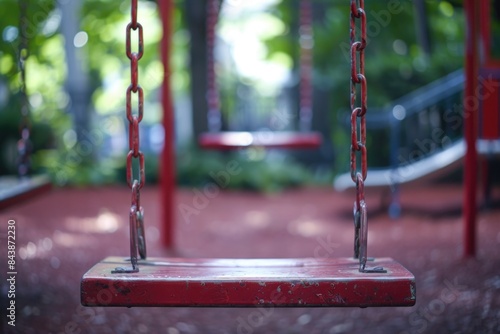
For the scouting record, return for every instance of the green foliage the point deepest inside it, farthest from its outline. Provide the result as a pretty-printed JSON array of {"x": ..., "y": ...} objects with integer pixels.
[
  {"x": 41, "y": 136},
  {"x": 69, "y": 167},
  {"x": 395, "y": 61},
  {"x": 44, "y": 78},
  {"x": 257, "y": 169},
  {"x": 395, "y": 65}
]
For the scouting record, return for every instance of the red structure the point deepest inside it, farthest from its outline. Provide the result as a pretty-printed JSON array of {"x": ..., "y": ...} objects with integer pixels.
[
  {"x": 482, "y": 105},
  {"x": 470, "y": 128},
  {"x": 489, "y": 73},
  {"x": 167, "y": 163},
  {"x": 234, "y": 140}
]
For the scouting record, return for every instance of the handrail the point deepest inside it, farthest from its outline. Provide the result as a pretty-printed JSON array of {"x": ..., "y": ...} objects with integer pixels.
[{"x": 417, "y": 100}]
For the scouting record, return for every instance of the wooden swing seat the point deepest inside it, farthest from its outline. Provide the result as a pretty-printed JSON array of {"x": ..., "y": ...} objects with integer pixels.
[
  {"x": 232, "y": 140},
  {"x": 248, "y": 283}
]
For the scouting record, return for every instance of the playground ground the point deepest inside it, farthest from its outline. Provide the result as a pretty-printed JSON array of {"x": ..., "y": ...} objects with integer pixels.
[{"x": 63, "y": 233}]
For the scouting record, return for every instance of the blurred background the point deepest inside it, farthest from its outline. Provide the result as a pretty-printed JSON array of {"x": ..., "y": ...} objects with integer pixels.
[{"x": 77, "y": 74}]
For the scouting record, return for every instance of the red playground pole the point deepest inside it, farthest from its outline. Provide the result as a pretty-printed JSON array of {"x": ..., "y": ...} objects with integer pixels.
[
  {"x": 167, "y": 162},
  {"x": 471, "y": 108}
]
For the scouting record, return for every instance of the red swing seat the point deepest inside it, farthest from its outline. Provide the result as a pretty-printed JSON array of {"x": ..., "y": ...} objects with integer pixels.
[
  {"x": 232, "y": 140},
  {"x": 247, "y": 283}
]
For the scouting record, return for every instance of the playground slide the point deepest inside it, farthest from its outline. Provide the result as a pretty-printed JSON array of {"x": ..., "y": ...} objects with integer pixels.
[{"x": 434, "y": 166}]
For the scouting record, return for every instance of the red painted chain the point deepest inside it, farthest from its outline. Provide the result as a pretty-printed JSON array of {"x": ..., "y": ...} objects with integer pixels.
[
  {"x": 24, "y": 143},
  {"x": 358, "y": 140},
  {"x": 135, "y": 180},
  {"x": 213, "y": 102},
  {"x": 306, "y": 47}
]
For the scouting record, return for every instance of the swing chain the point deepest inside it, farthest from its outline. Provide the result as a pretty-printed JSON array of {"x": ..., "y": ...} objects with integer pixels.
[
  {"x": 358, "y": 140},
  {"x": 135, "y": 180},
  {"x": 24, "y": 144}
]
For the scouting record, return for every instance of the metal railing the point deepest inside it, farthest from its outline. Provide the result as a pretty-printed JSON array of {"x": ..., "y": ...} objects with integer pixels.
[{"x": 418, "y": 127}]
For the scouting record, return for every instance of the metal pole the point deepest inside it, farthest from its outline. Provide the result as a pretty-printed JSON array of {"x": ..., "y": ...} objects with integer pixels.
[
  {"x": 167, "y": 163},
  {"x": 471, "y": 104},
  {"x": 395, "y": 205}
]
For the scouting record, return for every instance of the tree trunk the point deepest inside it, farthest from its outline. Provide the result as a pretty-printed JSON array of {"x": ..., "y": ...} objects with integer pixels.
[
  {"x": 77, "y": 83},
  {"x": 422, "y": 23},
  {"x": 196, "y": 20}
]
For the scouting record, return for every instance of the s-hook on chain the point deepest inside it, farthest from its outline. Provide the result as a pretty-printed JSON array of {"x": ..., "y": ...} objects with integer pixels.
[
  {"x": 24, "y": 143},
  {"x": 135, "y": 180},
  {"x": 358, "y": 140}
]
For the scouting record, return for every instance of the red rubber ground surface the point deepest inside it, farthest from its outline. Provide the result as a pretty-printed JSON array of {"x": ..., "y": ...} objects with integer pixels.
[{"x": 62, "y": 234}]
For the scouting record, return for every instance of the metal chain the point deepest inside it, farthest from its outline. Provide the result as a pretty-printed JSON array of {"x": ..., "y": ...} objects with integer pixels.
[
  {"x": 135, "y": 179},
  {"x": 24, "y": 145},
  {"x": 306, "y": 47},
  {"x": 213, "y": 101},
  {"x": 358, "y": 140}
]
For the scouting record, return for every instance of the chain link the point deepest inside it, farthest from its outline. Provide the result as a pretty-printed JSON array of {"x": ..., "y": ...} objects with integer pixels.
[
  {"x": 135, "y": 179},
  {"x": 134, "y": 88},
  {"x": 24, "y": 145},
  {"x": 358, "y": 138}
]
